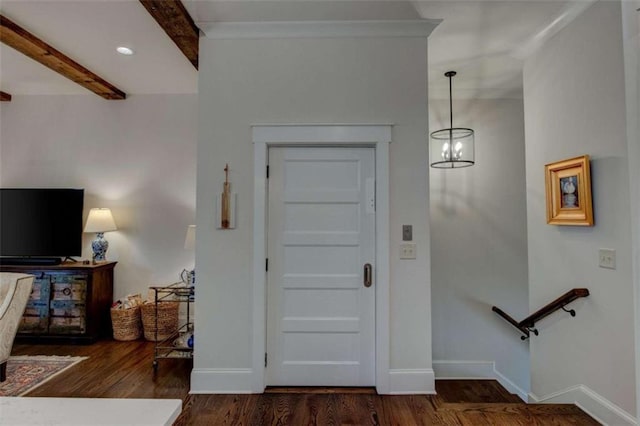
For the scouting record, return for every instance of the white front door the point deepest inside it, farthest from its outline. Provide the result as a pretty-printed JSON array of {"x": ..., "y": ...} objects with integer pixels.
[{"x": 321, "y": 234}]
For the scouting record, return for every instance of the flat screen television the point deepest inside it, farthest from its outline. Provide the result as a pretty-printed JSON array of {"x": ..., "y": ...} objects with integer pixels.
[{"x": 40, "y": 223}]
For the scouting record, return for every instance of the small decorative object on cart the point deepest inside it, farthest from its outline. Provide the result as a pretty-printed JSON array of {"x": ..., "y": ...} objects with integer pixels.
[
  {"x": 125, "y": 318},
  {"x": 185, "y": 340}
]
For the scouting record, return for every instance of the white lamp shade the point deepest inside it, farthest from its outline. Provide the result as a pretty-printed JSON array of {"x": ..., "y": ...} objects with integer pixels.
[
  {"x": 100, "y": 220},
  {"x": 190, "y": 239}
]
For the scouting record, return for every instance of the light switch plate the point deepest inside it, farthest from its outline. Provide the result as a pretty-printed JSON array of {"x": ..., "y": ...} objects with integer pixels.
[
  {"x": 407, "y": 232},
  {"x": 607, "y": 258},
  {"x": 407, "y": 251}
]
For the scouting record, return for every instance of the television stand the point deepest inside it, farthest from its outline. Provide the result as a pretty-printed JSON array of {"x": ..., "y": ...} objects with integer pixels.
[
  {"x": 70, "y": 303},
  {"x": 30, "y": 261}
]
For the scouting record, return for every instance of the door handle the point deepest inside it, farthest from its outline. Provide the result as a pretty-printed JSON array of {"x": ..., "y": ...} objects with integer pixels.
[{"x": 368, "y": 275}]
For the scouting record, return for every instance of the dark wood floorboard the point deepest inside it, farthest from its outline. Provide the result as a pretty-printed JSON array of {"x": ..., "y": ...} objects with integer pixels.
[
  {"x": 113, "y": 370},
  {"x": 124, "y": 370},
  {"x": 473, "y": 391}
]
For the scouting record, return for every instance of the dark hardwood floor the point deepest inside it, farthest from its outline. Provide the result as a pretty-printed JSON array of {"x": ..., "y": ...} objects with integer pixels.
[
  {"x": 113, "y": 370},
  {"x": 124, "y": 370}
]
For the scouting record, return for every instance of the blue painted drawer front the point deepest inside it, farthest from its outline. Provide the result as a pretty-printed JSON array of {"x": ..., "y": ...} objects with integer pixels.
[
  {"x": 68, "y": 287},
  {"x": 67, "y": 308},
  {"x": 67, "y": 317},
  {"x": 40, "y": 309},
  {"x": 67, "y": 325},
  {"x": 35, "y": 319},
  {"x": 41, "y": 290}
]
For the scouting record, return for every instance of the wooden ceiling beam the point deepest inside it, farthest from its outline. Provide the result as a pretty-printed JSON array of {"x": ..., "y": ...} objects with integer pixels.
[
  {"x": 5, "y": 97},
  {"x": 26, "y": 43},
  {"x": 177, "y": 23}
]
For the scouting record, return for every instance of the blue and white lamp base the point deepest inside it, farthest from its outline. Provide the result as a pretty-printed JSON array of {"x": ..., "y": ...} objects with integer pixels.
[{"x": 99, "y": 246}]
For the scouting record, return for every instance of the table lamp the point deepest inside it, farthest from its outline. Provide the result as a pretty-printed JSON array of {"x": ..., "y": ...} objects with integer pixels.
[
  {"x": 190, "y": 239},
  {"x": 100, "y": 220}
]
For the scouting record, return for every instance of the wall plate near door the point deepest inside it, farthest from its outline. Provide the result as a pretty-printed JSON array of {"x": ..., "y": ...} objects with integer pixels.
[
  {"x": 407, "y": 233},
  {"x": 607, "y": 258},
  {"x": 408, "y": 251}
]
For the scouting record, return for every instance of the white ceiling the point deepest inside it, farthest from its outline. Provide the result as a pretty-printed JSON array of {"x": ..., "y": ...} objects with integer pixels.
[
  {"x": 485, "y": 41},
  {"x": 88, "y": 32}
]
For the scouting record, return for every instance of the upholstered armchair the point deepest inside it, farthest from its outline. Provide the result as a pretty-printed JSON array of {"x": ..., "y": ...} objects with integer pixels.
[{"x": 14, "y": 292}]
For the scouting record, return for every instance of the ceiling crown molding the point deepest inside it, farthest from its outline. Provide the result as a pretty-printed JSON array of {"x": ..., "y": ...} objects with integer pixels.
[{"x": 318, "y": 29}]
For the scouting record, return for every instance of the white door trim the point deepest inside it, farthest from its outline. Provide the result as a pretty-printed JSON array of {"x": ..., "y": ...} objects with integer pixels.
[{"x": 376, "y": 136}]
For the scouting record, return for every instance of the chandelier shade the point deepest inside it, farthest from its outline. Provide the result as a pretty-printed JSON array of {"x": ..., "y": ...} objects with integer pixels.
[{"x": 453, "y": 147}]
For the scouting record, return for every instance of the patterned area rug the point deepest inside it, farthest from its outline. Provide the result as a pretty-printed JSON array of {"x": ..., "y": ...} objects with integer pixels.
[{"x": 25, "y": 373}]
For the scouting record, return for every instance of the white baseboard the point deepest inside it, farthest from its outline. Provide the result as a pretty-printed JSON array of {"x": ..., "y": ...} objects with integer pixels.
[
  {"x": 412, "y": 381},
  {"x": 475, "y": 370},
  {"x": 598, "y": 407},
  {"x": 461, "y": 370},
  {"x": 221, "y": 380},
  {"x": 240, "y": 380},
  {"x": 510, "y": 386}
]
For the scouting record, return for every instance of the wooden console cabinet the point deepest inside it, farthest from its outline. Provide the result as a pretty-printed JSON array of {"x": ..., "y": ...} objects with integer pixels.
[{"x": 69, "y": 303}]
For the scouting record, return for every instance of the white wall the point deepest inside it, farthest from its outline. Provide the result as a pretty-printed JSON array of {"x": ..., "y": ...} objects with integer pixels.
[
  {"x": 574, "y": 105},
  {"x": 479, "y": 244},
  {"x": 631, "y": 43},
  {"x": 244, "y": 82},
  {"x": 135, "y": 156}
]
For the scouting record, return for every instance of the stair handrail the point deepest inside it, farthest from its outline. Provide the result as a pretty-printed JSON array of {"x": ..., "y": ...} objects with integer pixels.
[{"x": 527, "y": 325}]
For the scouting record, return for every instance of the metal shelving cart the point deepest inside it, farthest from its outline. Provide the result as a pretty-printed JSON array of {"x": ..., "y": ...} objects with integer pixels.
[{"x": 166, "y": 348}]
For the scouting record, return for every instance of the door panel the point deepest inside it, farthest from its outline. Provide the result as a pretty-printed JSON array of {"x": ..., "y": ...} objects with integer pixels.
[{"x": 321, "y": 232}]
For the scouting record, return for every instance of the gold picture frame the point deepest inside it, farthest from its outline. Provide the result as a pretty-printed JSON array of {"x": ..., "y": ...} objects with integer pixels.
[{"x": 568, "y": 192}]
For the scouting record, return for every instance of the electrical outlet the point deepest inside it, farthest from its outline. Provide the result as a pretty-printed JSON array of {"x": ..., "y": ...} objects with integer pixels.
[
  {"x": 607, "y": 258},
  {"x": 407, "y": 251}
]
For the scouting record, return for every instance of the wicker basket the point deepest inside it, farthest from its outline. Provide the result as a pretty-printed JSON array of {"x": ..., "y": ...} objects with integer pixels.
[
  {"x": 127, "y": 324},
  {"x": 167, "y": 319}
]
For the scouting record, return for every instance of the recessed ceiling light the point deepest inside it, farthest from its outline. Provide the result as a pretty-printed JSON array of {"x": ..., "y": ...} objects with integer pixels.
[{"x": 123, "y": 50}]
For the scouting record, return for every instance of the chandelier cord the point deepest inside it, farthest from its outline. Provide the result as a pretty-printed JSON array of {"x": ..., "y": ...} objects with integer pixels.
[{"x": 450, "y": 101}]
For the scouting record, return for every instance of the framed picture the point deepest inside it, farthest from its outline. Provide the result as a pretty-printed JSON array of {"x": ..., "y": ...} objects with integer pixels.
[{"x": 568, "y": 191}]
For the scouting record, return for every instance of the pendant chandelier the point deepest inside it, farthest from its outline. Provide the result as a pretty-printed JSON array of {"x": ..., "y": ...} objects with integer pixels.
[{"x": 452, "y": 147}]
